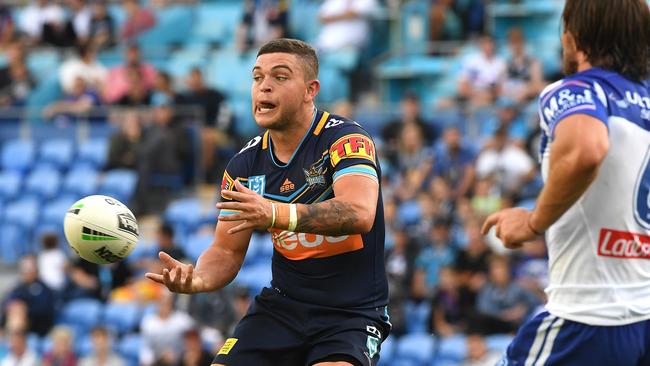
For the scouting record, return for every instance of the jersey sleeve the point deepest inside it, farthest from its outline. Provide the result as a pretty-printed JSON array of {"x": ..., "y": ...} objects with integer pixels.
[
  {"x": 569, "y": 98},
  {"x": 352, "y": 152},
  {"x": 236, "y": 170}
]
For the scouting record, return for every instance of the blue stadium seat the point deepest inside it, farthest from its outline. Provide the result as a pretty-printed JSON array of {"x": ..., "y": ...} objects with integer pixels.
[
  {"x": 129, "y": 347},
  {"x": 185, "y": 215},
  {"x": 12, "y": 243},
  {"x": 18, "y": 155},
  {"x": 82, "y": 314},
  {"x": 46, "y": 92},
  {"x": 387, "y": 352},
  {"x": 498, "y": 342},
  {"x": 260, "y": 249},
  {"x": 173, "y": 25},
  {"x": 43, "y": 182},
  {"x": 42, "y": 62},
  {"x": 23, "y": 212},
  {"x": 119, "y": 183},
  {"x": 54, "y": 212},
  {"x": 254, "y": 277},
  {"x": 57, "y": 152},
  {"x": 417, "y": 317},
  {"x": 452, "y": 349},
  {"x": 217, "y": 22},
  {"x": 196, "y": 244},
  {"x": 10, "y": 182},
  {"x": 417, "y": 348},
  {"x": 93, "y": 152},
  {"x": 80, "y": 182},
  {"x": 122, "y": 317},
  {"x": 83, "y": 345}
]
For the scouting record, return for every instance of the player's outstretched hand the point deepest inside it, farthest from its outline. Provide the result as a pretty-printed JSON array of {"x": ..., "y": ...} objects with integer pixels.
[
  {"x": 512, "y": 227},
  {"x": 177, "y": 276},
  {"x": 255, "y": 211}
]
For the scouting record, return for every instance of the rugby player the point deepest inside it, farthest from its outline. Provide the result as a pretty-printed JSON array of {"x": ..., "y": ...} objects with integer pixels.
[
  {"x": 595, "y": 206},
  {"x": 312, "y": 180}
]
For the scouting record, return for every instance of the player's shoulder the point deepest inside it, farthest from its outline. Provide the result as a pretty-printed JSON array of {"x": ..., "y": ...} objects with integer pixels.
[
  {"x": 333, "y": 126},
  {"x": 246, "y": 154}
]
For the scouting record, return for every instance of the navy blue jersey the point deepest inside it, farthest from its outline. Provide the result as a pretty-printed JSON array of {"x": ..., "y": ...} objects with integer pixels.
[{"x": 338, "y": 271}]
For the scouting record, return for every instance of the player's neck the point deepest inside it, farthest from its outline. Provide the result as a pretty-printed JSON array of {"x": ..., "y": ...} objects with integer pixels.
[{"x": 286, "y": 141}]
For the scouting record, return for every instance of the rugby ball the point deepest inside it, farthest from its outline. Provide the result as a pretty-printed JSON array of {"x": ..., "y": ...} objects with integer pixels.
[{"x": 101, "y": 229}]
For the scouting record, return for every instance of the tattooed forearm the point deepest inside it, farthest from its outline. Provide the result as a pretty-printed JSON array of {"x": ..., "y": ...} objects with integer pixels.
[{"x": 328, "y": 218}]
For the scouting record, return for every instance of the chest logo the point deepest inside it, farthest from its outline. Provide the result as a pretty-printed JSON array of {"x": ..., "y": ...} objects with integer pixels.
[
  {"x": 257, "y": 183},
  {"x": 315, "y": 176},
  {"x": 287, "y": 186}
]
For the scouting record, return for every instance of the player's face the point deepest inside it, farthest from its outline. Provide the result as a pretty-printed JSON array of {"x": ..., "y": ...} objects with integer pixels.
[
  {"x": 279, "y": 90},
  {"x": 569, "y": 54}
]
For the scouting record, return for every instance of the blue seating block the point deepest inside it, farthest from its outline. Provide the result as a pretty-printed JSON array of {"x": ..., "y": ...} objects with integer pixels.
[
  {"x": 43, "y": 182},
  {"x": 23, "y": 213},
  {"x": 196, "y": 244},
  {"x": 184, "y": 215},
  {"x": 93, "y": 152},
  {"x": 123, "y": 317},
  {"x": 452, "y": 349},
  {"x": 18, "y": 155},
  {"x": 10, "y": 182},
  {"x": 119, "y": 183},
  {"x": 129, "y": 347},
  {"x": 57, "y": 152},
  {"x": 418, "y": 348},
  {"x": 82, "y": 314},
  {"x": 80, "y": 182}
]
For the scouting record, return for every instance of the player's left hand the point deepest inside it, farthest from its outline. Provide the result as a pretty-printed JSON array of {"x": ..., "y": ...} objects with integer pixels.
[
  {"x": 512, "y": 227},
  {"x": 255, "y": 211}
]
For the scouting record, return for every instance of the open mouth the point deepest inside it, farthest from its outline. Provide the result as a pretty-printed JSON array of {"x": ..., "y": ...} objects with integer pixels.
[{"x": 264, "y": 107}]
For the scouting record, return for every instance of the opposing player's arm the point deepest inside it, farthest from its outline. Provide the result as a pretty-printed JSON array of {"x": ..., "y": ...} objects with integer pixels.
[{"x": 580, "y": 145}]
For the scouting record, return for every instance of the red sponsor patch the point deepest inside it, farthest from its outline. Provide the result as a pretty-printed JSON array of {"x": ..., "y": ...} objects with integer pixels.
[
  {"x": 352, "y": 146},
  {"x": 623, "y": 244},
  {"x": 227, "y": 184}
]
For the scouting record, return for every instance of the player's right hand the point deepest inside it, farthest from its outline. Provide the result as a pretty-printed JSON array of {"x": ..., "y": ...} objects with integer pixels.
[{"x": 176, "y": 276}]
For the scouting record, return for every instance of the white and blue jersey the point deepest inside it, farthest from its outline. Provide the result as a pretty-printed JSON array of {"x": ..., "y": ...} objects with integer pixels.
[{"x": 599, "y": 250}]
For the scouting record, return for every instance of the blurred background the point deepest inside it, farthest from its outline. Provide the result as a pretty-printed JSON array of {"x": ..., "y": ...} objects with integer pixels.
[{"x": 146, "y": 101}]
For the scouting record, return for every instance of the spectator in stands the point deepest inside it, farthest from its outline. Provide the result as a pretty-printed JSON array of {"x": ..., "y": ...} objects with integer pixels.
[
  {"x": 345, "y": 24},
  {"x": 454, "y": 162},
  {"x": 163, "y": 89},
  {"x": 61, "y": 353},
  {"x": 486, "y": 199},
  {"x": 78, "y": 103},
  {"x": 411, "y": 113},
  {"x": 413, "y": 160},
  {"x": 399, "y": 269},
  {"x": 7, "y": 28},
  {"x": 19, "y": 353},
  {"x": 88, "y": 279},
  {"x": 507, "y": 163},
  {"x": 16, "y": 82},
  {"x": 166, "y": 242},
  {"x": 214, "y": 310},
  {"x": 101, "y": 33},
  {"x": 137, "y": 95},
  {"x": 524, "y": 74},
  {"x": 85, "y": 66},
  {"x": 241, "y": 301},
  {"x": 438, "y": 253},
  {"x": 450, "y": 306},
  {"x": 502, "y": 304},
  {"x": 166, "y": 153},
  {"x": 52, "y": 262},
  {"x": 478, "y": 353},
  {"x": 218, "y": 131},
  {"x": 162, "y": 332},
  {"x": 445, "y": 24},
  {"x": 103, "y": 354},
  {"x": 482, "y": 74},
  {"x": 16, "y": 316},
  {"x": 263, "y": 21},
  {"x": 119, "y": 82},
  {"x": 39, "y": 15},
  {"x": 38, "y": 298},
  {"x": 193, "y": 352},
  {"x": 138, "y": 20},
  {"x": 124, "y": 146},
  {"x": 471, "y": 262},
  {"x": 81, "y": 14},
  {"x": 531, "y": 268}
]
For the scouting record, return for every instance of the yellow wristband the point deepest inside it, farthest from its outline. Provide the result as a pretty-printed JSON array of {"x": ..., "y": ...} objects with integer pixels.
[
  {"x": 273, "y": 214},
  {"x": 293, "y": 217}
]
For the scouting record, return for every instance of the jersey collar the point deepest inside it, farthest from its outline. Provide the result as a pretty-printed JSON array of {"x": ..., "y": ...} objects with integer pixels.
[{"x": 302, "y": 141}]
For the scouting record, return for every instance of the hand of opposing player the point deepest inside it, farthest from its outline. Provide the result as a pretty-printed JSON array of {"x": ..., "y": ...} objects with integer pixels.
[
  {"x": 177, "y": 276},
  {"x": 512, "y": 227},
  {"x": 255, "y": 211}
]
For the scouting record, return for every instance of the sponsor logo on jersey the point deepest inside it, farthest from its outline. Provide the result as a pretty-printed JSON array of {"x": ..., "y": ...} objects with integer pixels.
[
  {"x": 354, "y": 145},
  {"x": 566, "y": 100},
  {"x": 333, "y": 122},
  {"x": 287, "y": 186},
  {"x": 227, "y": 183},
  {"x": 227, "y": 346},
  {"x": 126, "y": 222},
  {"x": 623, "y": 244},
  {"x": 297, "y": 246},
  {"x": 257, "y": 184},
  {"x": 315, "y": 176}
]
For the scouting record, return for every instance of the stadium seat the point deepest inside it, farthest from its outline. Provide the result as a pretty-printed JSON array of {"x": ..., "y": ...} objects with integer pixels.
[
  {"x": 185, "y": 215},
  {"x": 129, "y": 347},
  {"x": 451, "y": 349},
  {"x": 387, "y": 352},
  {"x": 23, "y": 212},
  {"x": 217, "y": 22},
  {"x": 119, "y": 183},
  {"x": 12, "y": 243},
  {"x": 498, "y": 342},
  {"x": 93, "y": 152},
  {"x": 18, "y": 155},
  {"x": 417, "y": 348},
  {"x": 57, "y": 152},
  {"x": 255, "y": 277},
  {"x": 122, "y": 317},
  {"x": 80, "y": 182},
  {"x": 173, "y": 25},
  {"x": 417, "y": 317},
  {"x": 43, "y": 182},
  {"x": 82, "y": 314},
  {"x": 196, "y": 244},
  {"x": 10, "y": 182},
  {"x": 54, "y": 212}
]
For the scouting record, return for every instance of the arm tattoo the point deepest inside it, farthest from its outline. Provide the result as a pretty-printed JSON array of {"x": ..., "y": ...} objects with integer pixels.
[{"x": 327, "y": 218}]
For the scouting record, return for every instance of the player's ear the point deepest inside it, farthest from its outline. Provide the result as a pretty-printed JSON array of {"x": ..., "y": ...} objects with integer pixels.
[{"x": 313, "y": 87}]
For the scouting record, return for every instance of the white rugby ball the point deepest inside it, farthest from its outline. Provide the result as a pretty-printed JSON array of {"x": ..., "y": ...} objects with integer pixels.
[{"x": 101, "y": 229}]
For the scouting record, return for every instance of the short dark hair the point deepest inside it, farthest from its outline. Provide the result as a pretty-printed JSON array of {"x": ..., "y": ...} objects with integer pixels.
[
  {"x": 305, "y": 52},
  {"x": 167, "y": 230},
  {"x": 613, "y": 34}
]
